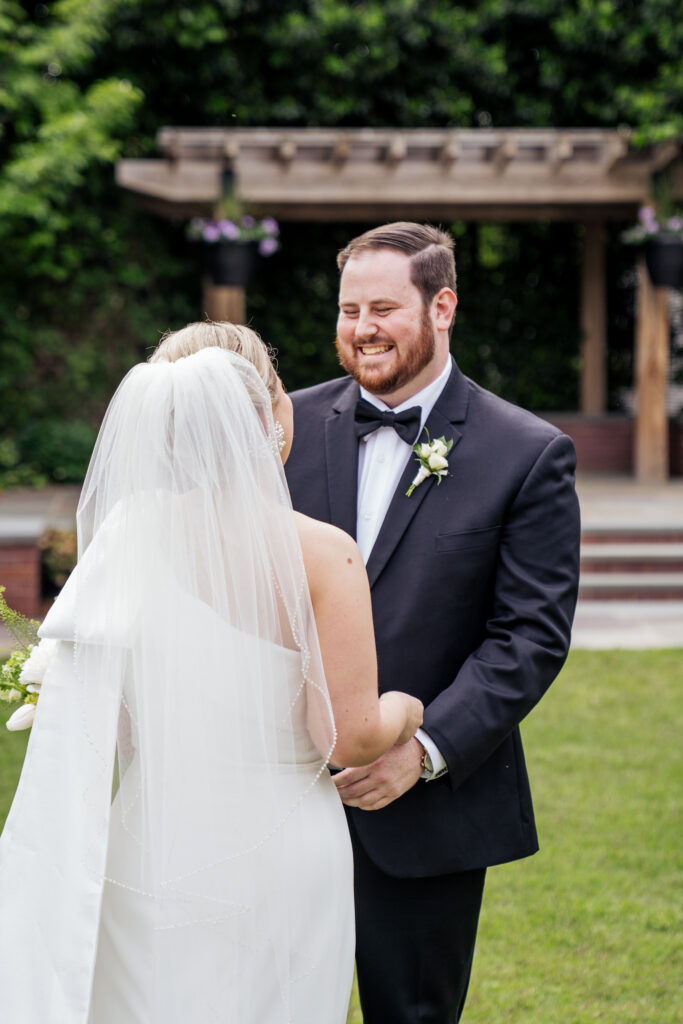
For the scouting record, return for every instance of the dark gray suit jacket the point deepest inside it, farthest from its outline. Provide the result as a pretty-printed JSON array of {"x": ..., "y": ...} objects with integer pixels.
[{"x": 474, "y": 584}]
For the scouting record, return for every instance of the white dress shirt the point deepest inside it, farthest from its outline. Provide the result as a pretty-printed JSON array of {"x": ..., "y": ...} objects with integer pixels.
[{"x": 382, "y": 458}]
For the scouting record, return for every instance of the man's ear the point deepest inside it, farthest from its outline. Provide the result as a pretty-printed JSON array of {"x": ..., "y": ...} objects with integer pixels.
[{"x": 443, "y": 305}]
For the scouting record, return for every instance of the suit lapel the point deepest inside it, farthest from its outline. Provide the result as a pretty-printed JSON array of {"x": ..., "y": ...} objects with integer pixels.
[
  {"x": 450, "y": 408},
  {"x": 341, "y": 447}
]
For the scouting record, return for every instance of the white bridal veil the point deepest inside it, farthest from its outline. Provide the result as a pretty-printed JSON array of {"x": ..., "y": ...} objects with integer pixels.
[{"x": 189, "y": 648}]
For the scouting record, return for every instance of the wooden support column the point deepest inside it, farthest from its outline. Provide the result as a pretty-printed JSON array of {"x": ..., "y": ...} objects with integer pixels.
[
  {"x": 224, "y": 302},
  {"x": 593, "y": 322},
  {"x": 651, "y": 455}
]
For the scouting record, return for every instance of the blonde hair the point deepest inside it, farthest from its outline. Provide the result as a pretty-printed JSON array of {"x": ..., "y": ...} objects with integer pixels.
[{"x": 220, "y": 334}]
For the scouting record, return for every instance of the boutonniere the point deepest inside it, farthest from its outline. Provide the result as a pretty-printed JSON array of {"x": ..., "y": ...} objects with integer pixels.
[{"x": 433, "y": 459}]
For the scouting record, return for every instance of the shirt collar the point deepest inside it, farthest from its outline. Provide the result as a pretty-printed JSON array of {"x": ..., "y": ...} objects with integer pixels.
[{"x": 426, "y": 398}]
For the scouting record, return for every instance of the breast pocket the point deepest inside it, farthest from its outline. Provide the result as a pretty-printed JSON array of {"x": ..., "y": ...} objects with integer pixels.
[{"x": 467, "y": 540}]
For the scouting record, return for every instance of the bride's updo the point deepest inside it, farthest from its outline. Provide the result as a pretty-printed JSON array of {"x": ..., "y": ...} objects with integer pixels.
[{"x": 220, "y": 334}]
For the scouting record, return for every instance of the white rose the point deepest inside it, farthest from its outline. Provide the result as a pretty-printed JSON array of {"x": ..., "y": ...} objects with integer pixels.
[
  {"x": 22, "y": 718},
  {"x": 437, "y": 462},
  {"x": 38, "y": 662},
  {"x": 425, "y": 450},
  {"x": 440, "y": 448}
]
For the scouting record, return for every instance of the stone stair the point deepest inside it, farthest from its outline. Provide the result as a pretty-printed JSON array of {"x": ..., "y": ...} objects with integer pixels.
[{"x": 625, "y": 563}]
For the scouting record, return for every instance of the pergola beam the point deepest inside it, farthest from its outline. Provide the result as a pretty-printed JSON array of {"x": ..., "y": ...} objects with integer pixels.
[{"x": 368, "y": 174}]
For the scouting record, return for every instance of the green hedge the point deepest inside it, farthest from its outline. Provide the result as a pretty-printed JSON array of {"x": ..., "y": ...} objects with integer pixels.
[{"x": 88, "y": 282}]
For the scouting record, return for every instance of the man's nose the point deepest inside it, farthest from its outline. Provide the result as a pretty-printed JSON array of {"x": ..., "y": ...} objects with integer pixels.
[{"x": 366, "y": 325}]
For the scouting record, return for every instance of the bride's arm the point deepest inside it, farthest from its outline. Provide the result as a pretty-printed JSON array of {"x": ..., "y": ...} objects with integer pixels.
[{"x": 367, "y": 725}]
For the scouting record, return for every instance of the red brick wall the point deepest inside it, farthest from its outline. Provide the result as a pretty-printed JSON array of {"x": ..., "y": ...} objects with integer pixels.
[
  {"x": 20, "y": 574},
  {"x": 604, "y": 444}
]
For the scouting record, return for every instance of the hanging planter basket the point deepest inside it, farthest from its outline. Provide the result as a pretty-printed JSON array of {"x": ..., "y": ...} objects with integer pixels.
[
  {"x": 664, "y": 260},
  {"x": 229, "y": 263}
]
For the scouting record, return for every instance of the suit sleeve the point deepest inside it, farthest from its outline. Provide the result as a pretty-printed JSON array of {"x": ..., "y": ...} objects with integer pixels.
[{"x": 528, "y": 632}]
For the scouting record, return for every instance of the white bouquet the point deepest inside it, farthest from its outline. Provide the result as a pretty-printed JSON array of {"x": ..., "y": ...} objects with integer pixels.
[{"x": 22, "y": 675}]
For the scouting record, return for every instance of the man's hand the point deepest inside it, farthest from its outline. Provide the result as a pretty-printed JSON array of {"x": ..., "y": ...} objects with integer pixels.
[{"x": 378, "y": 784}]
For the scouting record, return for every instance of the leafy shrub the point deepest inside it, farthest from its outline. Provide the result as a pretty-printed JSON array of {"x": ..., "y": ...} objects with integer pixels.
[
  {"x": 61, "y": 448},
  {"x": 59, "y": 553},
  {"x": 88, "y": 281}
]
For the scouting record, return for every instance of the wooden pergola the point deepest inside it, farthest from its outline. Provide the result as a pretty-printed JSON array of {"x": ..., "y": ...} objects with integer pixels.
[{"x": 316, "y": 174}]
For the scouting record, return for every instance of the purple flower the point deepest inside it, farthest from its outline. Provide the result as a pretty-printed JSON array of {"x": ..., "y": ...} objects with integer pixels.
[
  {"x": 211, "y": 233},
  {"x": 646, "y": 216},
  {"x": 248, "y": 221},
  {"x": 228, "y": 229},
  {"x": 675, "y": 224},
  {"x": 267, "y": 246},
  {"x": 270, "y": 226}
]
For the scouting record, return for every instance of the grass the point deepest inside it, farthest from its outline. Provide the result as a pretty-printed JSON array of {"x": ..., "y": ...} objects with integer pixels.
[
  {"x": 12, "y": 750},
  {"x": 588, "y": 929}
]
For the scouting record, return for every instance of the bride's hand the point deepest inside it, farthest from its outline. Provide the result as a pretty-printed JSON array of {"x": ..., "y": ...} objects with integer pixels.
[{"x": 412, "y": 709}]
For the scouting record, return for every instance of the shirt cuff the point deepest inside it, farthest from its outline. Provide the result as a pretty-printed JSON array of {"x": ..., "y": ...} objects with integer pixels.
[{"x": 439, "y": 765}]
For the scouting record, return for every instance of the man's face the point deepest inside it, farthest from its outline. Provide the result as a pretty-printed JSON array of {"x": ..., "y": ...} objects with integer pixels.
[{"x": 386, "y": 338}]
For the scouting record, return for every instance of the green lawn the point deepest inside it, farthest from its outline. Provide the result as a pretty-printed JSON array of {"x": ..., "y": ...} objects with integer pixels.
[
  {"x": 12, "y": 749},
  {"x": 588, "y": 929}
]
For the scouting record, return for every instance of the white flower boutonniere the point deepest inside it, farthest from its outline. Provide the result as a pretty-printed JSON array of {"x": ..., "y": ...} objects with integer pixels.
[{"x": 433, "y": 459}]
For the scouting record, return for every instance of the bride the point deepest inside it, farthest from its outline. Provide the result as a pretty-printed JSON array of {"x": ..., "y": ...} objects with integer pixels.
[{"x": 215, "y": 654}]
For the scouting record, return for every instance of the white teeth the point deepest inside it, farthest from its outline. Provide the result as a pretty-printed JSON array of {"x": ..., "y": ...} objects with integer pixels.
[{"x": 373, "y": 350}]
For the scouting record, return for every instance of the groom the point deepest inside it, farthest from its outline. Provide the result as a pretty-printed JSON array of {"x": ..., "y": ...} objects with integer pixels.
[{"x": 474, "y": 580}]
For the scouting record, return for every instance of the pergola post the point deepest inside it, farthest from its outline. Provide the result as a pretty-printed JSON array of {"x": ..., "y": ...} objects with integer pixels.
[
  {"x": 223, "y": 302},
  {"x": 593, "y": 388},
  {"x": 652, "y": 373}
]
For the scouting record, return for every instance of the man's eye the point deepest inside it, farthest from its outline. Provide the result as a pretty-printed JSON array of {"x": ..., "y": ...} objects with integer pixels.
[
  {"x": 383, "y": 310},
  {"x": 349, "y": 312}
]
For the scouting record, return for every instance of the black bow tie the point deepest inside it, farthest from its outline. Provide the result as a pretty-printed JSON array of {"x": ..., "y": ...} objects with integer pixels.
[{"x": 369, "y": 417}]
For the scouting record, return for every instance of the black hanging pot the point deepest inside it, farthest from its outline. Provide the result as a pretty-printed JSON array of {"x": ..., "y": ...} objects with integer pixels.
[
  {"x": 229, "y": 263},
  {"x": 664, "y": 259}
]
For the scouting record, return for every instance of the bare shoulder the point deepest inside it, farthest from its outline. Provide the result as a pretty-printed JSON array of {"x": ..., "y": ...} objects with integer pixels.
[{"x": 329, "y": 553}]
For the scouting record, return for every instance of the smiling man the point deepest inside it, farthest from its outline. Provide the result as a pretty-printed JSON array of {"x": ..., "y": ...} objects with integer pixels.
[
  {"x": 474, "y": 579},
  {"x": 388, "y": 339}
]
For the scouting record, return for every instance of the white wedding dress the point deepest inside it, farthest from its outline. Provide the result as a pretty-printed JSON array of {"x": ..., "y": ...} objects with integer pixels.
[
  {"x": 297, "y": 886},
  {"x": 217, "y": 887}
]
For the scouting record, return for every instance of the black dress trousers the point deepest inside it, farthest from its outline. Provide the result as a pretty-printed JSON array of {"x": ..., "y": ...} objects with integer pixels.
[{"x": 414, "y": 942}]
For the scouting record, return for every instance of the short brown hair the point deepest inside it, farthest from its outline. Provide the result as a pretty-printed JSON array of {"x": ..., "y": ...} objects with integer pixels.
[{"x": 430, "y": 250}]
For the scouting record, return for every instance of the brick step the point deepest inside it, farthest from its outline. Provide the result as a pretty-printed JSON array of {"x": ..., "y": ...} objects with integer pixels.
[
  {"x": 612, "y": 535},
  {"x": 637, "y": 566},
  {"x": 632, "y": 586},
  {"x": 631, "y": 557}
]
